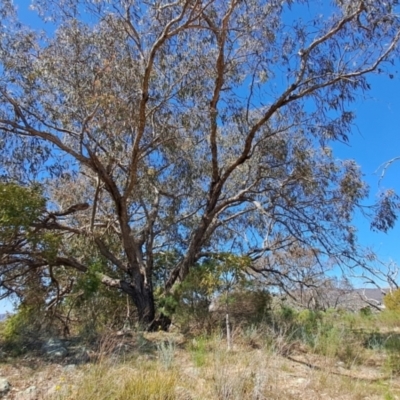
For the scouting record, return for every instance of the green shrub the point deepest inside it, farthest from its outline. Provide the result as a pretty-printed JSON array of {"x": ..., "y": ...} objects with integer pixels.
[
  {"x": 287, "y": 313},
  {"x": 392, "y": 347},
  {"x": 325, "y": 332},
  {"x": 199, "y": 349},
  {"x": 392, "y": 300},
  {"x": 366, "y": 312},
  {"x": 94, "y": 307},
  {"x": 22, "y": 330}
]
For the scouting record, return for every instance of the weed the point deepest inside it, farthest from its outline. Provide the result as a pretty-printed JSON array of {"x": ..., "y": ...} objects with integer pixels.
[
  {"x": 198, "y": 350},
  {"x": 166, "y": 353},
  {"x": 230, "y": 384},
  {"x": 253, "y": 336}
]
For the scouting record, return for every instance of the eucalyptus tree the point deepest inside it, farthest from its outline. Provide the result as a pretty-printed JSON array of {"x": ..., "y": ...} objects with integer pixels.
[{"x": 188, "y": 127}]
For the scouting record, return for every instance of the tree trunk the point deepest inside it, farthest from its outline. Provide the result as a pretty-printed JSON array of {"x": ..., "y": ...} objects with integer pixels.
[
  {"x": 143, "y": 298},
  {"x": 144, "y": 303}
]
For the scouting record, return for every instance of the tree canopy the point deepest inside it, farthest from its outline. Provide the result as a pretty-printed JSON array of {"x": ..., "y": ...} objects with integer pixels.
[{"x": 189, "y": 128}]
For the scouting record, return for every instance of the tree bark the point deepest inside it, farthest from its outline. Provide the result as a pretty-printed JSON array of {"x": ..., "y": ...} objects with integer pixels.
[
  {"x": 141, "y": 293},
  {"x": 142, "y": 297}
]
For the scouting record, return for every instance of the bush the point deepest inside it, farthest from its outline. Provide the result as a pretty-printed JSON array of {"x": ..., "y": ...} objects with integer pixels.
[
  {"x": 392, "y": 347},
  {"x": 366, "y": 312},
  {"x": 324, "y": 333},
  {"x": 392, "y": 300},
  {"x": 93, "y": 308},
  {"x": 249, "y": 306},
  {"x": 199, "y": 349},
  {"x": 21, "y": 331}
]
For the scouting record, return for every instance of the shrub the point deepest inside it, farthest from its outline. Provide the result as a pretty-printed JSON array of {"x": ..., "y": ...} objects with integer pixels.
[
  {"x": 392, "y": 347},
  {"x": 22, "y": 330},
  {"x": 198, "y": 348},
  {"x": 366, "y": 312},
  {"x": 392, "y": 300}
]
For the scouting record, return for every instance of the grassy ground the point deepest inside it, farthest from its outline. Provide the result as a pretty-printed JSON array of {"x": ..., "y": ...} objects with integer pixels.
[{"x": 295, "y": 355}]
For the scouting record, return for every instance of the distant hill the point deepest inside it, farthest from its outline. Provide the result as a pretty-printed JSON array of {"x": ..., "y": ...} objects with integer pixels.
[
  {"x": 3, "y": 317},
  {"x": 345, "y": 298},
  {"x": 372, "y": 294}
]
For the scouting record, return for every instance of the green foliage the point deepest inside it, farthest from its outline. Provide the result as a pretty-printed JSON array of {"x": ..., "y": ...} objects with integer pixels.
[
  {"x": 392, "y": 347},
  {"x": 308, "y": 322},
  {"x": 50, "y": 243},
  {"x": 163, "y": 263},
  {"x": 366, "y": 312},
  {"x": 19, "y": 208},
  {"x": 189, "y": 302},
  {"x": 387, "y": 210},
  {"x": 21, "y": 330},
  {"x": 390, "y": 318},
  {"x": 89, "y": 283},
  {"x": 328, "y": 333},
  {"x": 94, "y": 306},
  {"x": 392, "y": 300},
  {"x": 389, "y": 396},
  {"x": 337, "y": 342},
  {"x": 222, "y": 276},
  {"x": 287, "y": 313},
  {"x": 24, "y": 245},
  {"x": 198, "y": 348}
]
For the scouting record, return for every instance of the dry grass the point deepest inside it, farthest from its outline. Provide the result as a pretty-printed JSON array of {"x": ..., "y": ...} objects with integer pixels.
[
  {"x": 241, "y": 374},
  {"x": 119, "y": 382},
  {"x": 322, "y": 362}
]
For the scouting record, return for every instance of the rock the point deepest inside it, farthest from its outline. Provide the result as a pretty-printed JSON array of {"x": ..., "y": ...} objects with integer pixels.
[
  {"x": 340, "y": 364},
  {"x": 4, "y": 386},
  {"x": 54, "y": 348},
  {"x": 60, "y": 391},
  {"x": 300, "y": 381},
  {"x": 81, "y": 356},
  {"x": 69, "y": 368},
  {"x": 27, "y": 394}
]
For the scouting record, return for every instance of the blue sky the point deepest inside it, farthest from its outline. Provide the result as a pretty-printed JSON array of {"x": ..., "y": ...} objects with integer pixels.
[{"x": 375, "y": 140}]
